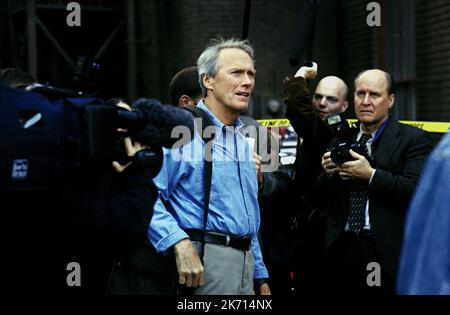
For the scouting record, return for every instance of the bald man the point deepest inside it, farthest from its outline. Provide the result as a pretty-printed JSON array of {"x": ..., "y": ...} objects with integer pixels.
[
  {"x": 368, "y": 196},
  {"x": 308, "y": 117},
  {"x": 330, "y": 97}
]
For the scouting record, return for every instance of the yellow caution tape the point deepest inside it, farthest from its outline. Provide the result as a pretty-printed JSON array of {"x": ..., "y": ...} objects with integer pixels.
[
  {"x": 430, "y": 126},
  {"x": 275, "y": 122}
]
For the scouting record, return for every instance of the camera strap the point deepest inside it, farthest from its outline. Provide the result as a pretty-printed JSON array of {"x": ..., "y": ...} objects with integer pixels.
[{"x": 206, "y": 122}]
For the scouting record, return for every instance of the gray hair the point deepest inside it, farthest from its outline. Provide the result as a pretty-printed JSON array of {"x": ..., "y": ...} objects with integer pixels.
[
  {"x": 389, "y": 80},
  {"x": 207, "y": 63}
]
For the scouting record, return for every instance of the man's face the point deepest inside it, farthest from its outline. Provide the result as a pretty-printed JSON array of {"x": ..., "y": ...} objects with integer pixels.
[
  {"x": 234, "y": 82},
  {"x": 372, "y": 100},
  {"x": 329, "y": 97}
]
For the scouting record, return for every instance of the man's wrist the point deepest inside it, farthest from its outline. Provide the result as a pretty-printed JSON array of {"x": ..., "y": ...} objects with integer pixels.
[
  {"x": 300, "y": 73},
  {"x": 259, "y": 282},
  {"x": 371, "y": 175},
  {"x": 260, "y": 182}
]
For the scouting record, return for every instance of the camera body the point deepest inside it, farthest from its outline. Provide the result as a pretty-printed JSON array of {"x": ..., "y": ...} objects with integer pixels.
[
  {"x": 340, "y": 150},
  {"x": 340, "y": 153},
  {"x": 44, "y": 139}
]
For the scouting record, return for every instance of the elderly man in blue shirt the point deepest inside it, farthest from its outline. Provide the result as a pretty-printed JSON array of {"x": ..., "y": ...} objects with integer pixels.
[{"x": 232, "y": 257}]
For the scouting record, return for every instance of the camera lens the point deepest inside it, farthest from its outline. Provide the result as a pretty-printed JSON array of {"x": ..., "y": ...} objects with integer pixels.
[{"x": 340, "y": 155}]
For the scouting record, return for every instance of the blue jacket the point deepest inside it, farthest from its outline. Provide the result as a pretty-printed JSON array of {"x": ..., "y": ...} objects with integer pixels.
[{"x": 425, "y": 259}]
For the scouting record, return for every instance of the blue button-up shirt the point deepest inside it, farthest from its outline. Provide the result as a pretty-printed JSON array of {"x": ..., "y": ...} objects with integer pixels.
[
  {"x": 425, "y": 260},
  {"x": 233, "y": 206}
]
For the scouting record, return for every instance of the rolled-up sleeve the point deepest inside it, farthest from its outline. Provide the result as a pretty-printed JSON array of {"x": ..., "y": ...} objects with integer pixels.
[
  {"x": 164, "y": 231},
  {"x": 260, "y": 270}
]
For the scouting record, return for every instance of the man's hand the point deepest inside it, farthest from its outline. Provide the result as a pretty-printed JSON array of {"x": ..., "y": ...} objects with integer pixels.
[
  {"x": 358, "y": 169},
  {"x": 264, "y": 289},
  {"x": 131, "y": 149},
  {"x": 307, "y": 72},
  {"x": 329, "y": 167},
  {"x": 189, "y": 266},
  {"x": 258, "y": 162}
]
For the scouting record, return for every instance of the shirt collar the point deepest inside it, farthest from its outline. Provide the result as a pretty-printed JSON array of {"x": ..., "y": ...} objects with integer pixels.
[
  {"x": 238, "y": 124},
  {"x": 361, "y": 131},
  {"x": 376, "y": 134}
]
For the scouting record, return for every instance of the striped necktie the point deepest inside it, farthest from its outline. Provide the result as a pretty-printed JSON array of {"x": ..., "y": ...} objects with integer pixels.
[{"x": 358, "y": 197}]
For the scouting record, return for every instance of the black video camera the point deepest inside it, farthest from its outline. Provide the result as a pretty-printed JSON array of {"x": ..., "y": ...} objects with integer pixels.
[
  {"x": 43, "y": 139},
  {"x": 340, "y": 150}
]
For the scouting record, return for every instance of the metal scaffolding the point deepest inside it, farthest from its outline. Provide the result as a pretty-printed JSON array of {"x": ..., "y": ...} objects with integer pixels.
[{"x": 34, "y": 22}]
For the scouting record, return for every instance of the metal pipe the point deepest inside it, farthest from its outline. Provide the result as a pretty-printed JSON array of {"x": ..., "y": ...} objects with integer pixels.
[
  {"x": 132, "y": 53},
  {"x": 54, "y": 42},
  {"x": 246, "y": 23},
  {"x": 32, "y": 39}
]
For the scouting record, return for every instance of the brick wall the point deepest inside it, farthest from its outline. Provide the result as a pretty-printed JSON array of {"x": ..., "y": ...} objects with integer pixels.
[
  {"x": 272, "y": 32},
  {"x": 172, "y": 33},
  {"x": 176, "y": 32},
  {"x": 355, "y": 42},
  {"x": 433, "y": 59},
  {"x": 362, "y": 47}
]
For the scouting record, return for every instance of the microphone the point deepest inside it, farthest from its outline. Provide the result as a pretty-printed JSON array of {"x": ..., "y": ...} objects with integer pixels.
[
  {"x": 160, "y": 120},
  {"x": 150, "y": 123},
  {"x": 304, "y": 33}
]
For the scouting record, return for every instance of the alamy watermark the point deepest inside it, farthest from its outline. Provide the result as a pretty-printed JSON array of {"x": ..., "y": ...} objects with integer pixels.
[
  {"x": 374, "y": 17},
  {"x": 74, "y": 17},
  {"x": 374, "y": 277},
  {"x": 73, "y": 278}
]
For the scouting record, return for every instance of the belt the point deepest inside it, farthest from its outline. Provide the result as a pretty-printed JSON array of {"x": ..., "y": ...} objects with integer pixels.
[
  {"x": 240, "y": 243},
  {"x": 363, "y": 234}
]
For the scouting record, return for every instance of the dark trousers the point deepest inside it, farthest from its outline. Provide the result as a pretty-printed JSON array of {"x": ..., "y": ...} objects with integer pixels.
[{"x": 346, "y": 263}]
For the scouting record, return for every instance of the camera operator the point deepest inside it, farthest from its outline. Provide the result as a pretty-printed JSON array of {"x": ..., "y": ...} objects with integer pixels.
[
  {"x": 367, "y": 201},
  {"x": 102, "y": 213},
  {"x": 80, "y": 210},
  {"x": 120, "y": 228}
]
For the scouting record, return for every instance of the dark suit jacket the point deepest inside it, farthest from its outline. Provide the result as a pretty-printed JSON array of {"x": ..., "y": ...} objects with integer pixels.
[
  {"x": 308, "y": 125},
  {"x": 274, "y": 183},
  {"x": 398, "y": 155}
]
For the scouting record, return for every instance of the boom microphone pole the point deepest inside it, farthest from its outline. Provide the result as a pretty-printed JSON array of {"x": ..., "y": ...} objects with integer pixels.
[
  {"x": 245, "y": 25},
  {"x": 304, "y": 34}
]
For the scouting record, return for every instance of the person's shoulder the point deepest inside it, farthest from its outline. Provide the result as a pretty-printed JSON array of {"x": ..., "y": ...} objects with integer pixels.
[
  {"x": 249, "y": 121},
  {"x": 289, "y": 81},
  {"x": 416, "y": 137},
  {"x": 411, "y": 130},
  {"x": 442, "y": 150}
]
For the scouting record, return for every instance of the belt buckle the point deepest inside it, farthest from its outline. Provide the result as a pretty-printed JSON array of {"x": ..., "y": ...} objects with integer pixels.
[{"x": 227, "y": 243}]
